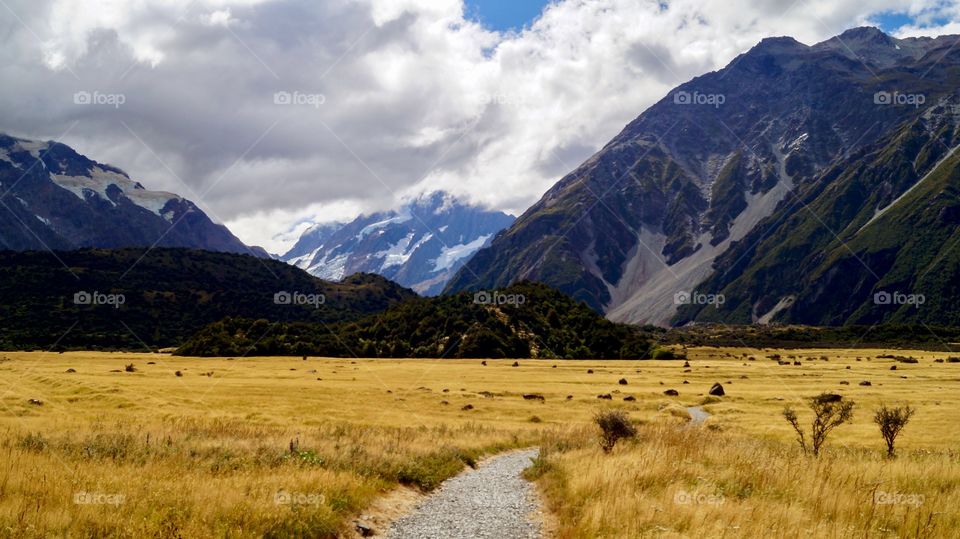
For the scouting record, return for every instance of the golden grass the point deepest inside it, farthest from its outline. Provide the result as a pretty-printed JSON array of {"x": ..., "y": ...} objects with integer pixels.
[
  {"x": 692, "y": 482},
  {"x": 200, "y": 455}
]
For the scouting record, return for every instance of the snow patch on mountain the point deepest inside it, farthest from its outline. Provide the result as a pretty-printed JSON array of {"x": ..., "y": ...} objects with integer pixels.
[
  {"x": 380, "y": 225},
  {"x": 333, "y": 269},
  {"x": 99, "y": 181},
  {"x": 451, "y": 255},
  {"x": 419, "y": 245}
]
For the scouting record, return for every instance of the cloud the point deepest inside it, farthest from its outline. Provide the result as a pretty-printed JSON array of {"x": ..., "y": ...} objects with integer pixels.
[{"x": 387, "y": 97}]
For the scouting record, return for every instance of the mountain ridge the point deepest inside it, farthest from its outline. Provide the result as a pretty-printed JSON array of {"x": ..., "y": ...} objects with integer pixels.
[
  {"x": 655, "y": 211},
  {"x": 56, "y": 198}
]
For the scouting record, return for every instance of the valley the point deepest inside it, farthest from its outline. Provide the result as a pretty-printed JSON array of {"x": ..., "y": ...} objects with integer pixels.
[{"x": 211, "y": 447}]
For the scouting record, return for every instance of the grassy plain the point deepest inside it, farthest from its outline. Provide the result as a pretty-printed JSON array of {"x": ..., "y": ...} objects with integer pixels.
[{"x": 284, "y": 447}]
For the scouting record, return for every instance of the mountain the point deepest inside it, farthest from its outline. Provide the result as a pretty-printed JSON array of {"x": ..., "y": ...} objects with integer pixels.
[
  {"x": 51, "y": 197},
  {"x": 799, "y": 184},
  {"x": 420, "y": 245},
  {"x": 527, "y": 320},
  {"x": 138, "y": 298}
]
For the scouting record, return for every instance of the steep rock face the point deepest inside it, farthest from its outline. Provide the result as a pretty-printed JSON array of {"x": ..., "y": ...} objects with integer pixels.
[
  {"x": 679, "y": 200},
  {"x": 51, "y": 197},
  {"x": 420, "y": 245}
]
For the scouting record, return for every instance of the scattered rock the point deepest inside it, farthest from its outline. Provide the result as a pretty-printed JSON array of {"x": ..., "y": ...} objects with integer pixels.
[
  {"x": 534, "y": 397},
  {"x": 569, "y": 397},
  {"x": 686, "y": 382},
  {"x": 893, "y": 367},
  {"x": 717, "y": 390},
  {"x": 865, "y": 383},
  {"x": 672, "y": 393},
  {"x": 365, "y": 530},
  {"x": 71, "y": 371},
  {"x": 467, "y": 408},
  {"x": 445, "y": 403},
  {"x": 484, "y": 363},
  {"x": 623, "y": 381},
  {"x": 629, "y": 398},
  {"x": 606, "y": 397},
  {"x": 515, "y": 364},
  {"x": 589, "y": 371},
  {"x": 844, "y": 383},
  {"x": 686, "y": 364},
  {"x": 178, "y": 373}
]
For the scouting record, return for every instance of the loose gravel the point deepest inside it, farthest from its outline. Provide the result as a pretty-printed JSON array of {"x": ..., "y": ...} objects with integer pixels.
[{"x": 493, "y": 501}]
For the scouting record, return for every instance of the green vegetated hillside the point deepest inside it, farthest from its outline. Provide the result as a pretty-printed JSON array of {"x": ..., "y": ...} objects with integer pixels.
[
  {"x": 547, "y": 324},
  {"x": 167, "y": 296}
]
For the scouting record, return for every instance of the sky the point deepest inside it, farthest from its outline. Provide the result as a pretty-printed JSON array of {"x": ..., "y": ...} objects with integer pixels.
[
  {"x": 271, "y": 114},
  {"x": 504, "y": 15}
]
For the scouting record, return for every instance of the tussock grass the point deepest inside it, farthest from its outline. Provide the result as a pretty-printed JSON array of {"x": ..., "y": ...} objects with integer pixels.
[
  {"x": 671, "y": 482},
  {"x": 282, "y": 447}
]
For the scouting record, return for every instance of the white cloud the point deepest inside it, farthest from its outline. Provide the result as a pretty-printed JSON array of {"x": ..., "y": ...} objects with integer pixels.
[{"x": 415, "y": 96}]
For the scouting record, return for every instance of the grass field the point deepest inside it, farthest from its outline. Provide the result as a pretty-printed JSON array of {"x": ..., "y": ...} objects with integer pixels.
[{"x": 284, "y": 447}]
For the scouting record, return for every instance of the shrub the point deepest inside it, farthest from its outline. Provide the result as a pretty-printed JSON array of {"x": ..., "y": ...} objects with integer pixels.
[
  {"x": 666, "y": 353},
  {"x": 829, "y": 412},
  {"x": 614, "y": 426},
  {"x": 891, "y": 422}
]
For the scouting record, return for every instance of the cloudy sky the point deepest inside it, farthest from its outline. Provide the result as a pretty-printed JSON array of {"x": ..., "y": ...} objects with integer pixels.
[{"x": 272, "y": 113}]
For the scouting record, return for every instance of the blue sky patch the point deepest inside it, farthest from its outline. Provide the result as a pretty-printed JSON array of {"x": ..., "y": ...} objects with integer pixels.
[{"x": 504, "y": 15}]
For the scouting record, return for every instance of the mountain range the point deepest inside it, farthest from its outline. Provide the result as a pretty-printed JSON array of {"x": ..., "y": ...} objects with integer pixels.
[
  {"x": 53, "y": 198},
  {"x": 420, "y": 245},
  {"x": 800, "y": 184}
]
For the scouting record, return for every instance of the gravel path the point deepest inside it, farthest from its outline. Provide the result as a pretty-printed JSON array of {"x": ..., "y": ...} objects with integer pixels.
[
  {"x": 697, "y": 415},
  {"x": 492, "y": 501}
]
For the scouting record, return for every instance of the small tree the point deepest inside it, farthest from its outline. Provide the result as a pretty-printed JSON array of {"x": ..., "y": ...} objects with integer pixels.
[
  {"x": 829, "y": 412},
  {"x": 891, "y": 421},
  {"x": 614, "y": 426}
]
